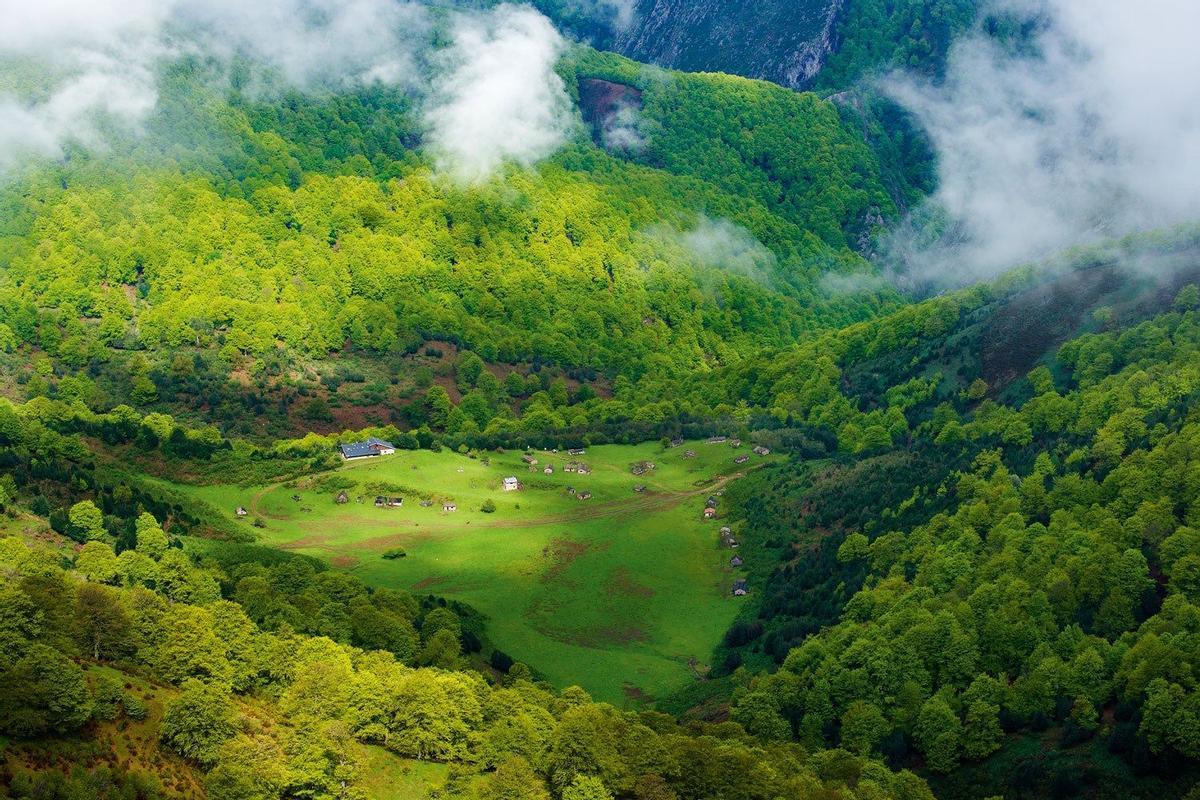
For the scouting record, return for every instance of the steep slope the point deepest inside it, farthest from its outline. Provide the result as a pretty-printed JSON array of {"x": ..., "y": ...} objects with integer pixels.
[
  {"x": 984, "y": 545},
  {"x": 830, "y": 44},
  {"x": 780, "y": 41}
]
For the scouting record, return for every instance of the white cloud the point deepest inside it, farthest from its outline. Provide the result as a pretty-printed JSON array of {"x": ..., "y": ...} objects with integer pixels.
[
  {"x": 90, "y": 67},
  {"x": 618, "y": 14},
  {"x": 723, "y": 245},
  {"x": 84, "y": 70},
  {"x": 98, "y": 57},
  {"x": 496, "y": 97},
  {"x": 624, "y": 129},
  {"x": 313, "y": 42},
  {"x": 1095, "y": 133}
]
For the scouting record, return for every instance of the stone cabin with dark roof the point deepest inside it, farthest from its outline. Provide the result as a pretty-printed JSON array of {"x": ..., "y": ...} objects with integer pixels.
[{"x": 370, "y": 448}]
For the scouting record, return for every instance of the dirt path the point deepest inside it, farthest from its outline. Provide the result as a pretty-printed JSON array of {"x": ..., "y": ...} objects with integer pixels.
[{"x": 254, "y": 509}]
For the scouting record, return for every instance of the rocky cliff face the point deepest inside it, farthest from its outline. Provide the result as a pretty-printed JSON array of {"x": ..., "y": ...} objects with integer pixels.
[{"x": 785, "y": 41}]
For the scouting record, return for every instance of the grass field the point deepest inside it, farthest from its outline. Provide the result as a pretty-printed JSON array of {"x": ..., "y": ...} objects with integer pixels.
[{"x": 625, "y": 593}]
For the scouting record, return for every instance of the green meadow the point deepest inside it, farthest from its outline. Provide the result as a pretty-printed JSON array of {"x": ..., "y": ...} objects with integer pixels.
[{"x": 624, "y": 593}]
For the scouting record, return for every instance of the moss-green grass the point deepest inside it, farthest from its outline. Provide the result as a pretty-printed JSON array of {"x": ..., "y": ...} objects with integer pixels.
[
  {"x": 622, "y": 594},
  {"x": 385, "y": 776}
]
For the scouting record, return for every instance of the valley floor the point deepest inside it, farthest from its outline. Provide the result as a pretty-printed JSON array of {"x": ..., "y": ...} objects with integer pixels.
[{"x": 624, "y": 593}]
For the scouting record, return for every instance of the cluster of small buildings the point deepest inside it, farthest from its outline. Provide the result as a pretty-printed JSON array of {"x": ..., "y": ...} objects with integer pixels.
[
  {"x": 642, "y": 467},
  {"x": 759, "y": 450},
  {"x": 388, "y": 502},
  {"x": 740, "y": 587}
]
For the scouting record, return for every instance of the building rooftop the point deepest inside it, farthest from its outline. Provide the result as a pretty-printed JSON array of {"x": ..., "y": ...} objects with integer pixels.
[{"x": 368, "y": 448}]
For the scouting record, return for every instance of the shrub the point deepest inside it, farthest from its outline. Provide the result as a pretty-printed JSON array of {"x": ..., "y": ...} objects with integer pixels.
[
  {"x": 394, "y": 553},
  {"x": 107, "y": 699},
  {"x": 134, "y": 707},
  {"x": 488, "y": 507}
]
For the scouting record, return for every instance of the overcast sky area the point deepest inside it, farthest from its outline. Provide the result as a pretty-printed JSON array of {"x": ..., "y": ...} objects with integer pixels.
[{"x": 1094, "y": 136}]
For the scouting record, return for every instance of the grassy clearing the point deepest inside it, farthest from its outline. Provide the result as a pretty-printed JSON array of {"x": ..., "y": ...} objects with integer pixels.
[
  {"x": 384, "y": 776},
  {"x": 624, "y": 594}
]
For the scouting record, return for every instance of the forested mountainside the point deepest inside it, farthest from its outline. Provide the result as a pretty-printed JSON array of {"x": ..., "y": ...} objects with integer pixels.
[
  {"x": 997, "y": 585},
  {"x": 459, "y": 412},
  {"x": 983, "y": 551},
  {"x": 290, "y": 231}
]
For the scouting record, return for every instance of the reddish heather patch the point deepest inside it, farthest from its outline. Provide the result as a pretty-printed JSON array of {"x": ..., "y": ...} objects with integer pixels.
[
  {"x": 606, "y": 636},
  {"x": 637, "y": 694},
  {"x": 430, "y": 582}
]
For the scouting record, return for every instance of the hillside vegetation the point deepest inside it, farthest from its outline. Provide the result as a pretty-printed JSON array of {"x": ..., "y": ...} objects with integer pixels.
[
  {"x": 1013, "y": 566},
  {"x": 241, "y": 244},
  {"x": 268, "y": 714},
  {"x": 834, "y": 542}
]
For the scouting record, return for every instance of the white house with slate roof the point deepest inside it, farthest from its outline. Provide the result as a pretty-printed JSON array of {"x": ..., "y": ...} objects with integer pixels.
[
  {"x": 368, "y": 449},
  {"x": 511, "y": 484}
]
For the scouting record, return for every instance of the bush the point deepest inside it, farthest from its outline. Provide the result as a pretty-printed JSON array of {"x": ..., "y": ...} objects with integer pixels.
[
  {"x": 107, "y": 699},
  {"x": 394, "y": 553},
  {"x": 488, "y": 507},
  {"x": 134, "y": 707}
]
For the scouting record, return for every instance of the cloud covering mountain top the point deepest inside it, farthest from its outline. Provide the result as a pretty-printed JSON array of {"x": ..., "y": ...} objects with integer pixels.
[{"x": 1092, "y": 132}]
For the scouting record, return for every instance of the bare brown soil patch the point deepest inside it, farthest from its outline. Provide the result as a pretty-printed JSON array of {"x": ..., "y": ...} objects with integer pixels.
[
  {"x": 562, "y": 554},
  {"x": 637, "y": 694},
  {"x": 430, "y": 582},
  {"x": 622, "y": 582},
  {"x": 344, "y": 561}
]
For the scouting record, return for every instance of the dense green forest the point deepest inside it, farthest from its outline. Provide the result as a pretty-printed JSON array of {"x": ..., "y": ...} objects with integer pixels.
[
  {"x": 971, "y": 568},
  {"x": 275, "y": 236},
  {"x": 998, "y": 553}
]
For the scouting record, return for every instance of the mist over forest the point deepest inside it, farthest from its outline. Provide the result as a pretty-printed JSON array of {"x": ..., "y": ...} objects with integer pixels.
[{"x": 599, "y": 400}]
